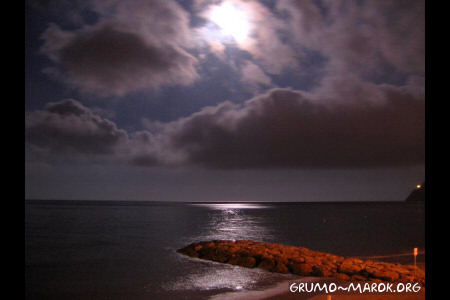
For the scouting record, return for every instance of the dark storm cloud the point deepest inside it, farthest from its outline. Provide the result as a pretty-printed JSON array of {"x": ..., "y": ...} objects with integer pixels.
[
  {"x": 70, "y": 127},
  {"x": 280, "y": 129},
  {"x": 286, "y": 128},
  {"x": 134, "y": 46}
]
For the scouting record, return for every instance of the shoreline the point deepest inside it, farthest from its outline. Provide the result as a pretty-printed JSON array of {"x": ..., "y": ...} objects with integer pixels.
[
  {"x": 280, "y": 291},
  {"x": 277, "y": 291}
]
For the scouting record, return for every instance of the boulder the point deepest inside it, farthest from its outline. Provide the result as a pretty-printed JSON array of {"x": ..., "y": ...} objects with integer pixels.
[
  {"x": 351, "y": 266},
  {"x": 386, "y": 275},
  {"x": 280, "y": 268},
  {"x": 342, "y": 277},
  {"x": 246, "y": 261},
  {"x": 267, "y": 265},
  {"x": 302, "y": 269}
]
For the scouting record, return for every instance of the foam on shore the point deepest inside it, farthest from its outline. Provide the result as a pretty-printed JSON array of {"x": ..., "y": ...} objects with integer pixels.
[{"x": 276, "y": 290}]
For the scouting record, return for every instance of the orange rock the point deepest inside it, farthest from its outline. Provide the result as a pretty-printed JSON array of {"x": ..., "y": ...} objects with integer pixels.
[
  {"x": 280, "y": 268},
  {"x": 358, "y": 278},
  {"x": 342, "y": 276},
  {"x": 350, "y": 266},
  {"x": 267, "y": 265},
  {"x": 385, "y": 275},
  {"x": 246, "y": 261},
  {"x": 302, "y": 269}
]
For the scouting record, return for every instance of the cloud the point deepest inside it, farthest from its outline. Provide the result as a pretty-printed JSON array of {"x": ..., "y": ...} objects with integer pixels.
[
  {"x": 268, "y": 50},
  {"x": 282, "y": 128},
  {"x": 134, "y": 46},
  {"x": 68, "y": 127},
  {"x": 372, "y": 41},
  {"x": 366, "y": 37},
  {"x": 265, "y": 44},
  {"x": 287, "y": 129},
  {"x": 144, "y": 45},
  {"x": 348, "y": 120},
  {"x": 253, "y": 76}
]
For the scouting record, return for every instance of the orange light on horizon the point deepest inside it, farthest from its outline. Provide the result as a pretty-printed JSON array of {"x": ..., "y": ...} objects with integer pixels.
[{"x": 418, "y": 186}]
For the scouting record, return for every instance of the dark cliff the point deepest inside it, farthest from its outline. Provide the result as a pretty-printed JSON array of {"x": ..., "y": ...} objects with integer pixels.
[{"x": 418, "y": 194}]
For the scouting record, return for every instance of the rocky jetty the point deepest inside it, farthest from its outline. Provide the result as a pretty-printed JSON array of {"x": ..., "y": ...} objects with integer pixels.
[{"x": 301, "y": 261}]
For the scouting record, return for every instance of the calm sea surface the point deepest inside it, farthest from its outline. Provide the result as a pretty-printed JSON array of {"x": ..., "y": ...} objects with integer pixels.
[{"x": 120, "y": 250}]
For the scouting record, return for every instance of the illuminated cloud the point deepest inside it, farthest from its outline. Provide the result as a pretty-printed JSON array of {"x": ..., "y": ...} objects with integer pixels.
[
  {"x": 136, "y": 46},
  {"x": 68, "y": 127},
  {"x": 253, "y": 76},
  {"x": 369, "y": 38},
  {"x": 253, "y": 28}
]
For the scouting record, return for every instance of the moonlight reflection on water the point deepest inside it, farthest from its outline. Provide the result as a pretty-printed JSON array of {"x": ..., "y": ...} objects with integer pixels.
[
  {"x": 228, "y": 221},
  {"x": 234, "y": 221}
]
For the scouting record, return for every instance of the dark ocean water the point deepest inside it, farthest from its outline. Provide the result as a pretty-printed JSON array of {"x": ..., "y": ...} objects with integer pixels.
[{"x": 119, "y": 250}]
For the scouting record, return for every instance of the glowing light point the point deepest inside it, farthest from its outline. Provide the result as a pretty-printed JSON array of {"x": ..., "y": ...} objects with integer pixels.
[
  {"x": 418, "y": 186},
  {"x": 231, "y": 20}
]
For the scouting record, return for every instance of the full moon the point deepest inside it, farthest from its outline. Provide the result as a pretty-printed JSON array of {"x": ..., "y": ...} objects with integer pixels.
[{"x": 231, "y": 20}]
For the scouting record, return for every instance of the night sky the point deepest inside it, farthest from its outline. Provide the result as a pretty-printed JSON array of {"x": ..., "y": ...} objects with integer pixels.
[{"x": 227, "y": 100}]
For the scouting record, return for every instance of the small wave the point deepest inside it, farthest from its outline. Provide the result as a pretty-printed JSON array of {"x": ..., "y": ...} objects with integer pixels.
[{"x": 277, "y": 289}]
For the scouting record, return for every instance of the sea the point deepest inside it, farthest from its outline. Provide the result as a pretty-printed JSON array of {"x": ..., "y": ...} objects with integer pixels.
[{"x": 127, "y": 249}]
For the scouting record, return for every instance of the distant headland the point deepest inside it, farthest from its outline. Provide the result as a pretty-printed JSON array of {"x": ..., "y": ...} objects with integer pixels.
[{"x": 418, "y": 194}]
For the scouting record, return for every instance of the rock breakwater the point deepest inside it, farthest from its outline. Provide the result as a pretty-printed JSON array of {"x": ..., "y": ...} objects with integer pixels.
[{"x": 301, "y": 261}]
